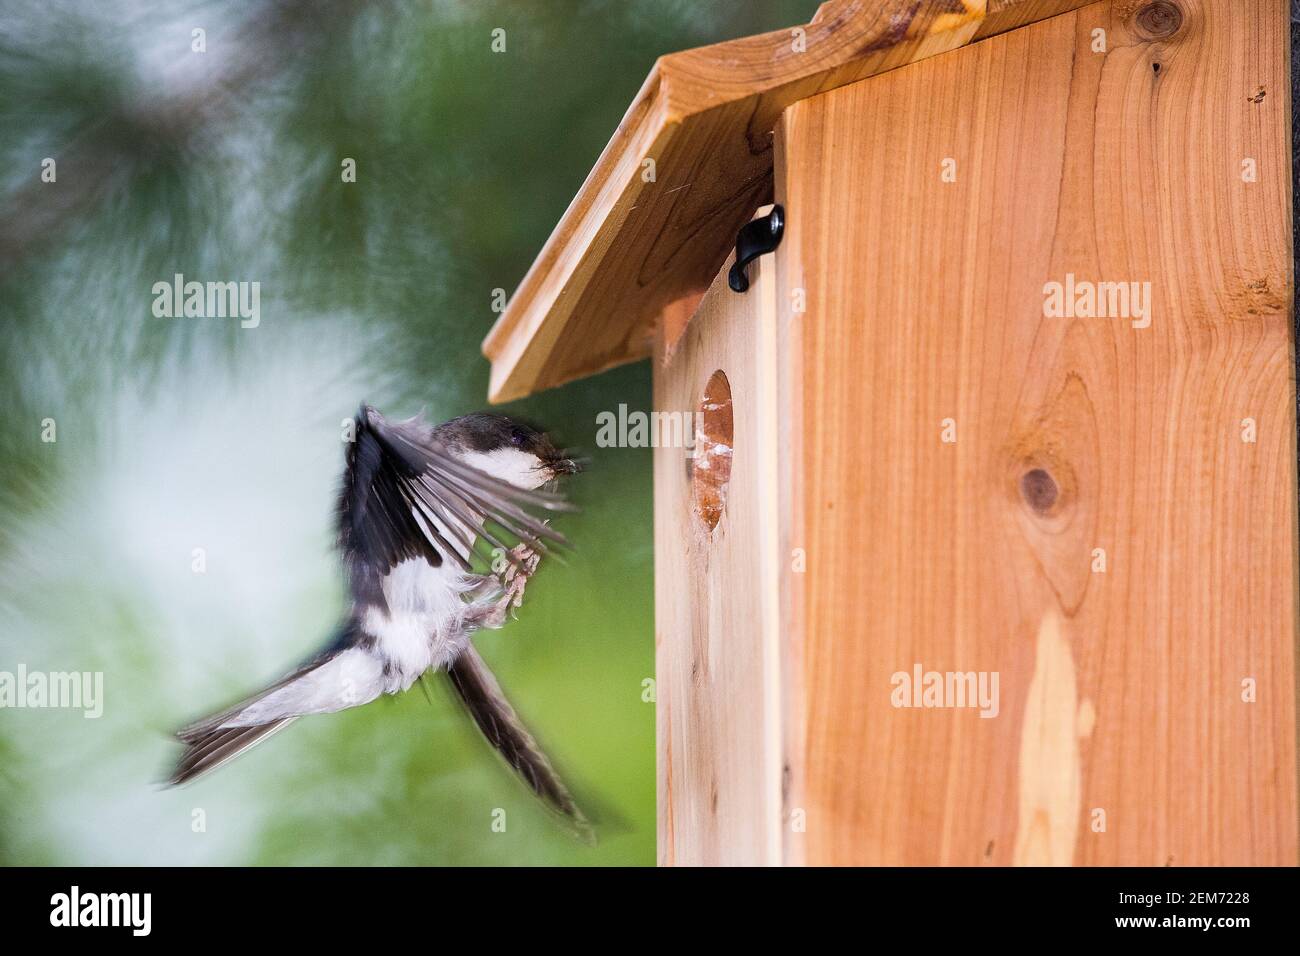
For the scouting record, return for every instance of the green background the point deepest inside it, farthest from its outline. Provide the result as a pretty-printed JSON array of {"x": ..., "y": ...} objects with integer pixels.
[{"x": 176, "y": 434}]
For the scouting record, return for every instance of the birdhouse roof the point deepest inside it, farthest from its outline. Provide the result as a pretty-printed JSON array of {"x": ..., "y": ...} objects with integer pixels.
[{"x": 686, "y": 168}]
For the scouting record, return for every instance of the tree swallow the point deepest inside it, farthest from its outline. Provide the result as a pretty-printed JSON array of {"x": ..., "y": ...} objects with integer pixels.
[{"x": 416, "y": 502}]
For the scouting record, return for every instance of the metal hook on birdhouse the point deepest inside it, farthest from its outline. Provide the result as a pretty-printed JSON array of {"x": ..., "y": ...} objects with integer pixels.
[{"x": 756, "y": 238}]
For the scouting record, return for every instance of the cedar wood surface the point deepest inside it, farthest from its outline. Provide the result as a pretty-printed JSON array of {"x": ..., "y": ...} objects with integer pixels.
[
  {"x": 1121, "y": 693},
  {"x": 716, "y": 613}
]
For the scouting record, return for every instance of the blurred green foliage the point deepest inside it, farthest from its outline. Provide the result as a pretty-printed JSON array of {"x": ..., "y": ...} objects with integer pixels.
[{"x": 181, "y": 433}]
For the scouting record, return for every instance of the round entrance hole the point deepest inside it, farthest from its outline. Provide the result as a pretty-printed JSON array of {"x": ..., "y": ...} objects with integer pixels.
[{"x": 711, "y": 470}]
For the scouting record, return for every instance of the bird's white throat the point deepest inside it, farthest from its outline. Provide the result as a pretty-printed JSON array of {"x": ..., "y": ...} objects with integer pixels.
[{"x": 511, "y": 465}]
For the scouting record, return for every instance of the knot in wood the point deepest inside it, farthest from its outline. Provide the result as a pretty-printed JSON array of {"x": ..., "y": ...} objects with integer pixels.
[
  {"x": 1039, "y": 490},
  {"x": 1159, "y": 20}
]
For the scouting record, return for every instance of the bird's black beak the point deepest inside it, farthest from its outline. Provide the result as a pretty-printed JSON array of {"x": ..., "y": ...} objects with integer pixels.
[{"x": 565, "y": 466}]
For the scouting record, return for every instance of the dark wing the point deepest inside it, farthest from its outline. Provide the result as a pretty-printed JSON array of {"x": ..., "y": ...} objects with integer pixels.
[
  {"x": 405, "y": 495},
  {"x": 482, "y": 696}
]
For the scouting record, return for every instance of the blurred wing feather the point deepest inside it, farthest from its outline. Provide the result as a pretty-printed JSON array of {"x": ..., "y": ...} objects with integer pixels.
[{"x": 406, "y": 495}]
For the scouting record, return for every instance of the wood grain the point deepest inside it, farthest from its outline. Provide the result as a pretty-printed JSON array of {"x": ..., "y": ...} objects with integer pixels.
[
  {"x": 625, "y": 247},
  {"x": 716, "y": 615},
  {"x": 1121, "y": 692}
]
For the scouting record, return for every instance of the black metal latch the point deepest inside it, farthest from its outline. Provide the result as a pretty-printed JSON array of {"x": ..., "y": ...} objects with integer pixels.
[{"x": 755, "y": 238}]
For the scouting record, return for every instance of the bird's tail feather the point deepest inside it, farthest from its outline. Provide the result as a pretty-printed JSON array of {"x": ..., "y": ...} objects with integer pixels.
[
  {"x": 478, "y": 690},
  {"x": 220, "y": 737},
  {"x": 209, "y": 749}
]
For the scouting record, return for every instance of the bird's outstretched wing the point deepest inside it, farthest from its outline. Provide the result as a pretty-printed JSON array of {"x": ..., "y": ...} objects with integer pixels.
[
  {"x": 483, "y": 698},
  {"x": 406, "y": 495}
]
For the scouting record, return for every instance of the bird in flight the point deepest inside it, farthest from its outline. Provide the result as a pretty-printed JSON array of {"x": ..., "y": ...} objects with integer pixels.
[{"x": 416, "y": 503}]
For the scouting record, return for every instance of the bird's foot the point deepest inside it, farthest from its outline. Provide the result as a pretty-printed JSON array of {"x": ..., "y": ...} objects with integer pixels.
[
  {"x": 517, "y": 573},
  {"x": 509, "y": 587}
]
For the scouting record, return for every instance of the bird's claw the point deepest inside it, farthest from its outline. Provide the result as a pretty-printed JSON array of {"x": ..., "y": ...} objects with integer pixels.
[{"x": 515, "y": 577}]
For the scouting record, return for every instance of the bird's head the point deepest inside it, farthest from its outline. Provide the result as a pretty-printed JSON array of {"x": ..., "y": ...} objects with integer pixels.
[{"x": 508, "y": 448}]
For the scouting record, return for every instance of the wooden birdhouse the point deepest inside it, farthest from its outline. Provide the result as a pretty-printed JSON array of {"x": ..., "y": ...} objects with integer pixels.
[{"x": 984, "y": 549}]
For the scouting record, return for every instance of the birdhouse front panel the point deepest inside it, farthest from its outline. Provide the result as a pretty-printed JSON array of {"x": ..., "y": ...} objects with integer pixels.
[{"x": 1046, "y": 441}]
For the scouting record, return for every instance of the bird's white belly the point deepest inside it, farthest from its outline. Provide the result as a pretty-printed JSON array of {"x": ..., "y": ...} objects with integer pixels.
[{"x": 424, "y": 625}]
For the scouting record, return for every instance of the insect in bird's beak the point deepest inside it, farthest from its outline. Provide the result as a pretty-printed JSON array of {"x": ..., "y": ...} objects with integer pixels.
[{"x": 562, "y": 463}]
